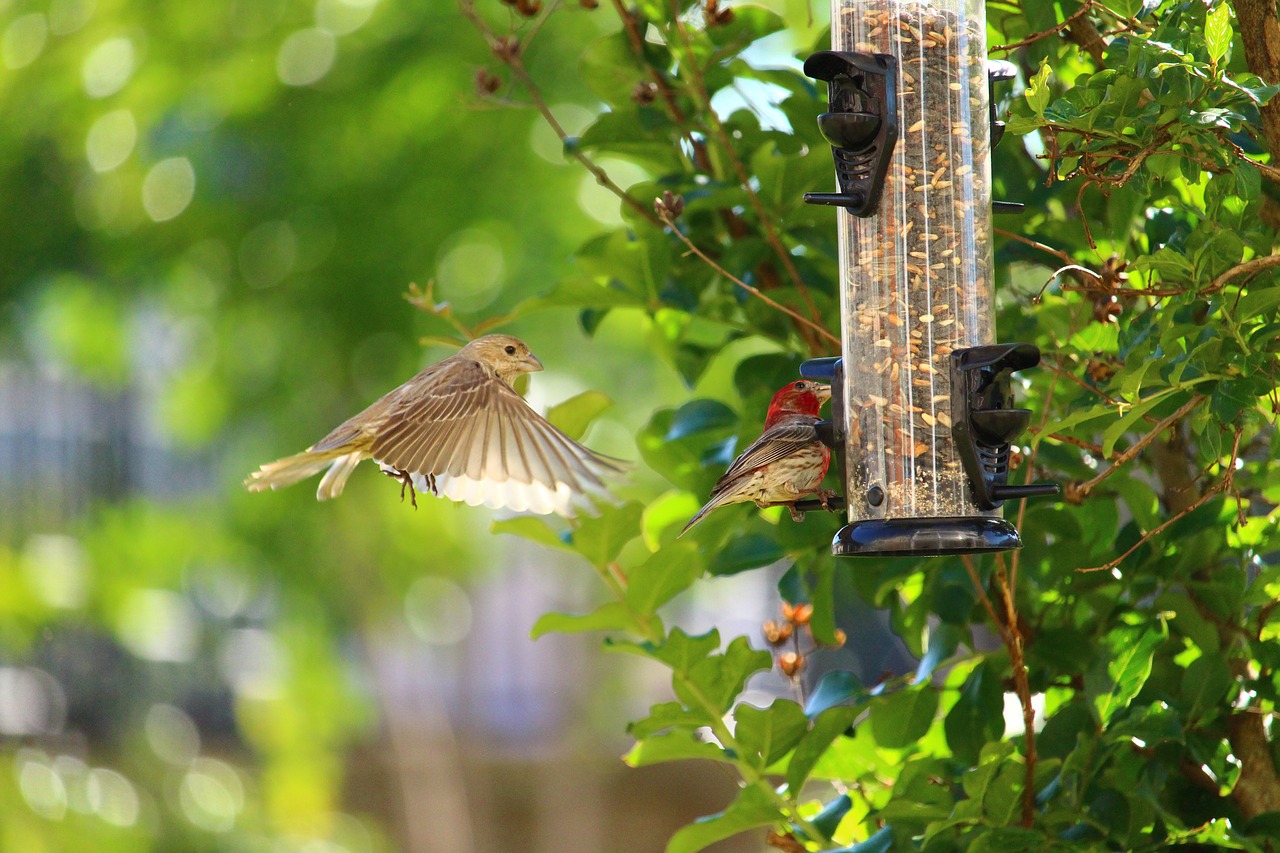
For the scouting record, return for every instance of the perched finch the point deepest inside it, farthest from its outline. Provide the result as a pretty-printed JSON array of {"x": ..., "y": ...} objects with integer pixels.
[
  {"x": 457, "y": 430},
  {"x": 787, "y": 462}
]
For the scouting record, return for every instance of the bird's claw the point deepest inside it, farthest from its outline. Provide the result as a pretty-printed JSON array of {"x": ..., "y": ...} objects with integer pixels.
[
  {"x": 824, "y": 498},
  {"x": 796, "y": 514},
  {"x": 406, "y": 482}
]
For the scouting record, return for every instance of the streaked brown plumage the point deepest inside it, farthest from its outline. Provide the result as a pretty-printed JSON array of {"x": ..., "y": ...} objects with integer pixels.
[{"x": 458, "y": 430}]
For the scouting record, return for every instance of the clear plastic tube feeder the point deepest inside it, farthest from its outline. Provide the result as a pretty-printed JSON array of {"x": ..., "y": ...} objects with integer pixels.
[{"x": 926, "y": 416}]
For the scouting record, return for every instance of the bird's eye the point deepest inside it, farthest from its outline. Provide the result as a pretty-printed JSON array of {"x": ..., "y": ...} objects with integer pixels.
[
  {"x": 511, "y": 350},
  {"x": 802, "y": 385}
]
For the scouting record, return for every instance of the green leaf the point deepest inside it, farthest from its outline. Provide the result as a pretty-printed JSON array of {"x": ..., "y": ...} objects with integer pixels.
[
  {"x": 575, "y": 414},
  {"x": 827, "y": 726},
  {"x": 610, "y": 616},
  {"x": 976, "y": 718},
  {"x": 751, "y": 809},
  {"x": 836, "y": 687},
  {"x": 1258, "y": 301},
  {"x": 660, "y": 578},
  {"x": 672, "y": 746},
  {"x": 1126, "y": 671},
  {"x": 769, "y": 733},
  {"x": 530, "y": 527},
  {"x": 1037, "y": 92},
  {"x": 716, "y": 681},
  {"x": 828, "y": 820},
  {"x": 1204, "y": 685},
  {"x": 746, "y": 552},
  {"x": 1218, "y": 31},
  {"x": 668, "y": 715},
  {"x": 900, "y": 719},
  {"x": 700, "y": 416},
  {"x": 943, "y": 640},
  {"x": 1133, "y": 416},
  {"x": 600, "y": 539}
]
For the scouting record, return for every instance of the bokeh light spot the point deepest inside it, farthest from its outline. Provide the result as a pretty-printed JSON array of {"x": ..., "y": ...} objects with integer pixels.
[
  {"x": 438, "y": 611},
  {"x": 168, "y": 188},
  {"x": 157, "y": 624},
  {"x": 31, "y": 702},
  {"x": 111, "y": 140},
  {"x": 305, "y": 57},
  {"x": 67, "y": 16},
  {"x": 56, "y": 569},
  {"x": 41, "y": 787},
  {"x": 268, "y": 254},
  {"x": 172, "y": 734},
  {"x": 112, "y": 797},
  {"x": 108, "y": 67},
  {"x": 471, "y": 270},
  {"x": 343, "y": 16},
  {"x": 211, "y": 795},
  {"x": 252, "y": 663},
  {"x": 601, "y": 204},
  {"x": 24, "y": 40}
]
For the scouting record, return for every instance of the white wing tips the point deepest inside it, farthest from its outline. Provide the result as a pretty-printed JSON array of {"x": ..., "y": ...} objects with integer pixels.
[
  {"x": 538, "y": 498},
  {"x": 335, "y": 479},
  {"x": 287, "y": 471}
]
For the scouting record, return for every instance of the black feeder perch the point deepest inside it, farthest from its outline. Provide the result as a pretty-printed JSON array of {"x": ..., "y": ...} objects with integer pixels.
[{"x": 923, "y": 413}]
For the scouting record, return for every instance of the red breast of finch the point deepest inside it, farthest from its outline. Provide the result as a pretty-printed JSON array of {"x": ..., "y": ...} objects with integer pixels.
[
  {"x": 458, "y": 430},
  {"x": 787, "y": 462}
]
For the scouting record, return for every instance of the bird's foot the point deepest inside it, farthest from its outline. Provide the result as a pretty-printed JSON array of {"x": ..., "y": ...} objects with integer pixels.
[
  {"x": 796, "y": 514},
  {"x": 406, "y": 482},
  {"x": 824, "y": 498}
]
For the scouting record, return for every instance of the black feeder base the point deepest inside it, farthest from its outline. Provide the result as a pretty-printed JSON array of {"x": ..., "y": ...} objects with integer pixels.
[{"x": 925, "y": 537}]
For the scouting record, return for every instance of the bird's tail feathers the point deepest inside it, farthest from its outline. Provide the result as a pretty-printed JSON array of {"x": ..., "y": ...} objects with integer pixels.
[
  {"x": 300, "y": 466},
  {"x": 715, "y": 502}
]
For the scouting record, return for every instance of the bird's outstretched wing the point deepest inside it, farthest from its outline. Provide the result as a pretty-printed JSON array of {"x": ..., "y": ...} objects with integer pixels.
[{"x": 468, "y": 436}]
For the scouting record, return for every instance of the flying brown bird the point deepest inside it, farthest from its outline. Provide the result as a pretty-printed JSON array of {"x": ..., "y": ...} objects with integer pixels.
[{"x": 458, "y": 430}]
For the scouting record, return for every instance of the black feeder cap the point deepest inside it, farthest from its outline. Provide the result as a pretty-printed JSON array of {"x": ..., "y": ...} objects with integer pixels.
[{"x": 925, "y": 537}]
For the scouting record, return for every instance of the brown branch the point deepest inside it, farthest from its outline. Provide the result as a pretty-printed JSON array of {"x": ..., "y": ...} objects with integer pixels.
[
  {"x": 1056, "y": 28},
  {"x": 1022, "y": 687},
  {"x": 1259, "y": 28},
  {"x": 508, "y": 52},
  {"x": 1217, "y": 487},
  {"x": 1247, "y": 268},
  {"x": 1220, "y": 486},
  {"x": 740, "y": 171},
  {"x": 665, "y": 217},
  {"x": 1011, "y": 635},
  {"x": 1138, "y": 446},
  {"x": 1085, "y": 35},
  {"x": 1060, "y": 255}
]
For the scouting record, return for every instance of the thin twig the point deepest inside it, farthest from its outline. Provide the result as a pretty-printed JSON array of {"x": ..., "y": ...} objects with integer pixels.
[
  {"x": 510, "y": 56},
  {"x": 984, "y": 598},
  {"x": 1022, "y": 687},
  {"x": 754, "y": 291},
  {"x": 1057, "y": 253},
  {"x": 744, "y": 179},
  {"x": 1141, "y": 443},
  {"x": 1057, "y": 28},
  {"x": 1220, "y": 486},
  {"x": 1247, "y": 268}
]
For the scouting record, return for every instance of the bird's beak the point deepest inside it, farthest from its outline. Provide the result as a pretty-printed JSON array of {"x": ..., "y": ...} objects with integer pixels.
[
  {"x": 531, "y": 363},
  {"x": 824, "y": 393}
]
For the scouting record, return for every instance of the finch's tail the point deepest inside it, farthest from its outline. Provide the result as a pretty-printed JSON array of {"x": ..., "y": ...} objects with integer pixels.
[
  {"x": 715, "y": 502},
  {"x": 291, "y": 469}
]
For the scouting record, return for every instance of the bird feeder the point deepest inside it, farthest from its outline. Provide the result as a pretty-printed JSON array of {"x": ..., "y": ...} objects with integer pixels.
[{"x": 924, "y": 413}]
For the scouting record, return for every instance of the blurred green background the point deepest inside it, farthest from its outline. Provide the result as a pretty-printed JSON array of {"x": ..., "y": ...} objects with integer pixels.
[{"x": 212, "y": 212}]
